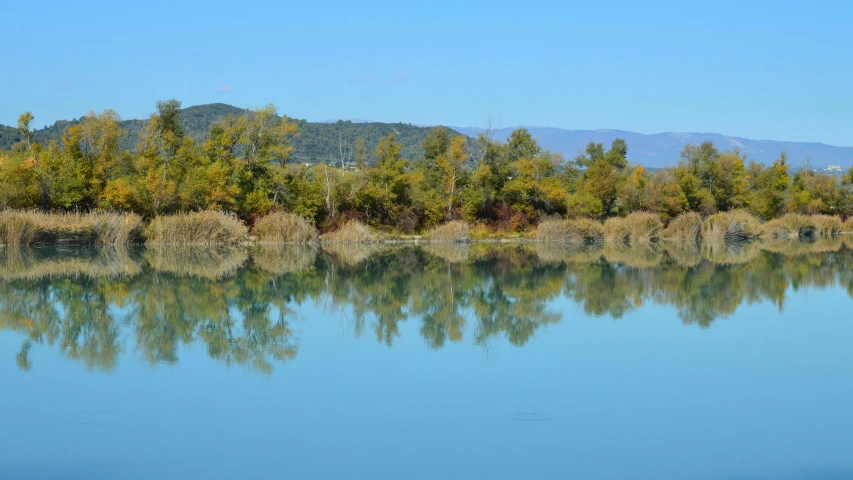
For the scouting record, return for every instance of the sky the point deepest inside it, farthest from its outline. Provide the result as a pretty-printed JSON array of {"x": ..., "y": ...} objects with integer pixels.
[{"x": 763, "y": 70}]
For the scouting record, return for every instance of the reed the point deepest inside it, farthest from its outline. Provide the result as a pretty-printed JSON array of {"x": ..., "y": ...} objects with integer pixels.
[
  {"x": 790, "y": 225},
  {"x": 351, "y": 232},
  {"x": 826, "y": 225},
  {"x": 687, "y": 226},
  {"x": 285, "y": 228},
  {"x": 455, "y": 231},
  {"x": 637, "y": 227},
  {"x": 733, "y": 226},
  {"x": 27, "y": 227},
  {"x": 579, "y": 231},
  {"x": 196, "y": 228}
]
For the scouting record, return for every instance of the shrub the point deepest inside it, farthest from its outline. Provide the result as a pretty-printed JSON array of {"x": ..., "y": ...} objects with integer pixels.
[
  {"x": 352, "y": 232},
  {"x": 636, "y": 227},
  {"x": 734, "y": 226},
  {"x": 196, "y": 228},
  {"x": 285, "y": 228},
  {"x": 580, "y": 231},
  {"x": 455, "y": 231},
  {"x": 687, "y": 226}
]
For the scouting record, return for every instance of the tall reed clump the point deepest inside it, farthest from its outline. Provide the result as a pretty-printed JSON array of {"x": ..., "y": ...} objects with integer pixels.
[
  {"x": 94, "y": 228},
  {"x": 636, "y": 227},
  {"x": 455, "y": 231},
  {"x": 790, "y": 225},
  {"x": 847, "y": 226},
  {"x": 826, "y": 225},
  {"x": 196, "y": 228},
  {"x": 285, "y": 228},
  {"x": 734, "y": 226},
  {"x": 579, "y": 231},
  {"x": 351, "y": 232},
  {"x": 117, "y": 228},
  {"x": 687, "y": 226}
]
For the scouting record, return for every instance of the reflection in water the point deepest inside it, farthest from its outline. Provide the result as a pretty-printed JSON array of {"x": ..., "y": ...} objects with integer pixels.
[{"x": 94, "y": 304}]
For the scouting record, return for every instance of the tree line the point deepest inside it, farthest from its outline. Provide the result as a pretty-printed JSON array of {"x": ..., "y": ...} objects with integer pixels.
[{"x": 244, "y": 165}]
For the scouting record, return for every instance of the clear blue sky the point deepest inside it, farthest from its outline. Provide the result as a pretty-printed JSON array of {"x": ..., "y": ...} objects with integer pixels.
[{"x": 765, "y": 70}]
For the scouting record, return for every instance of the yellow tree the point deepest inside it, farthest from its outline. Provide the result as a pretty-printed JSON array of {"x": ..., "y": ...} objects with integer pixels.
[{"x": 451, "y": 165}]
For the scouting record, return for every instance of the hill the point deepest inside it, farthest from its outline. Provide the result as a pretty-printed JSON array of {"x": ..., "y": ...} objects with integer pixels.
[
  {"x": 318, "y": 142},
  {"x": 663, "y": 149}
]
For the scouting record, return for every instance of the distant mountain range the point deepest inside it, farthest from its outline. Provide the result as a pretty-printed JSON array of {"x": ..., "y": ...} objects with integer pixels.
[
  {"x": 663, "y": 149},
  {"x": 323, "y": 141},
  {"x": 318, "y": 141}
]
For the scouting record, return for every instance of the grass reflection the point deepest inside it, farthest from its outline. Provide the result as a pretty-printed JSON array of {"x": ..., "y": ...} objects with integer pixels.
[{"x": 93, "y": 305}]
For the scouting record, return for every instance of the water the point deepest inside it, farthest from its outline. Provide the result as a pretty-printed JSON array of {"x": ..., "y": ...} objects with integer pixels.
[{"x": 443, "y": 362}]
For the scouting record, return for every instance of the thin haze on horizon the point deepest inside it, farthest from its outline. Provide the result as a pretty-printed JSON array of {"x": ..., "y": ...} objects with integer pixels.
[{"x": 758, "y": 70}]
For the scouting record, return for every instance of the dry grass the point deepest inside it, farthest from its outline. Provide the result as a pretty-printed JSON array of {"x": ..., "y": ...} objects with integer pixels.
[
  {"x": 285, "y": 228},
  {"x": 826, "y": 225},
  {"x": 734, "y": 226},
  {"x": 847, "y": 226},
  {"x": 283, "y": 259},
  {"x": 791, "y": 225},
  {"x": 687, "y": 226},
  {"x": 351, "y": 232},
  {"x": 637, "y": 227},
  {"x": 455, "y": 231},
  {"x": 196, "y": 228},
  {"x": 95, "y": 228},
  {"x": 580, "y": 231},
  {"x": 196, "y": 261}
]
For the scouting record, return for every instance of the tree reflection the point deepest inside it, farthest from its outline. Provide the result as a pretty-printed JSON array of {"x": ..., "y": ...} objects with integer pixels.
[{"x": 240, "y": 303}]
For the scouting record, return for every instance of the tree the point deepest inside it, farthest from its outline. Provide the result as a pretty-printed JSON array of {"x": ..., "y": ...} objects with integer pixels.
[
  {"x": 24, "y": 122},
  {"x": 451, "y": 164}
]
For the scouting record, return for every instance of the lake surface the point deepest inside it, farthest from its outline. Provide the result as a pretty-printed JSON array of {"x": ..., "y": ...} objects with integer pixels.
[{"x": 436, "y": 362}]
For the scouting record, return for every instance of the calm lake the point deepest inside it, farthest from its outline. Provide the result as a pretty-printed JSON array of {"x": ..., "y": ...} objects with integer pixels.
[{"x": 435, "y": 362}]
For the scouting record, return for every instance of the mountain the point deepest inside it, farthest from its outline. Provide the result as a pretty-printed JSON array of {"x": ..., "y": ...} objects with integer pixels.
[
  {"x": 663, "y": 149},
  {"x": 322, "y": 141},
  {"x": 318, "y": 142}
]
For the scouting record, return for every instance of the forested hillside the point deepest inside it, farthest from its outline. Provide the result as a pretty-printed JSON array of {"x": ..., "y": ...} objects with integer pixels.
[
  {"x": 419, "y": 178},
  {"x": 317, "y": 143}
]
